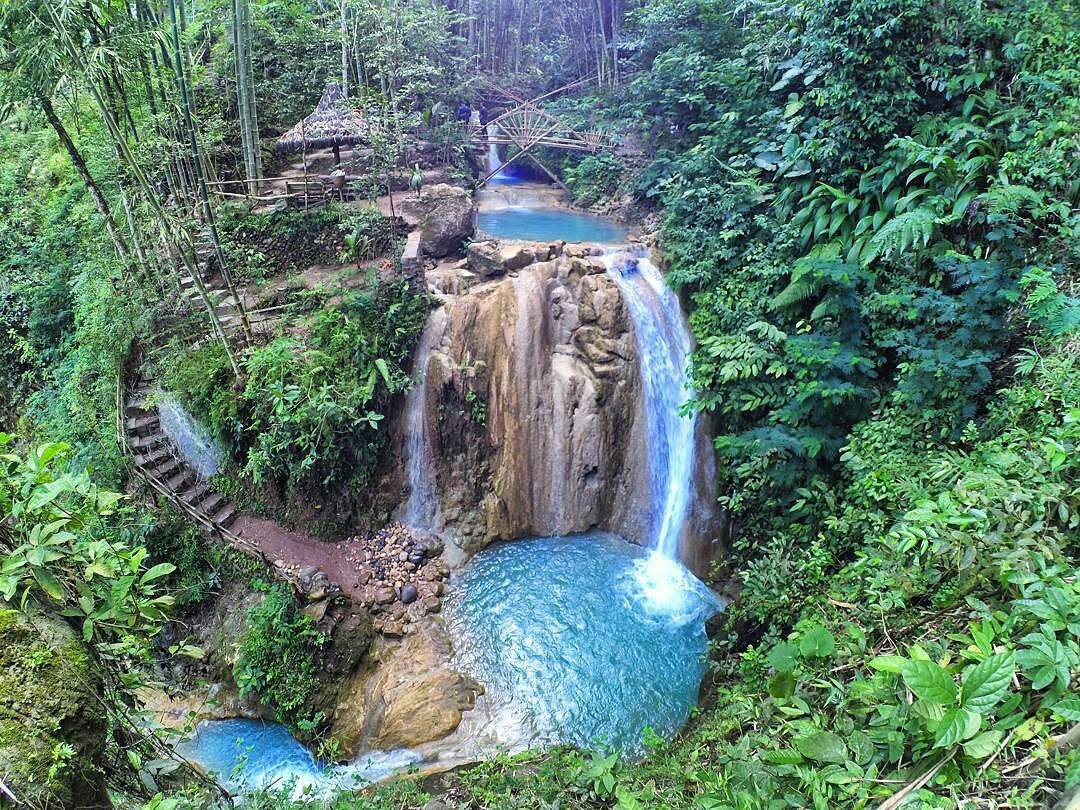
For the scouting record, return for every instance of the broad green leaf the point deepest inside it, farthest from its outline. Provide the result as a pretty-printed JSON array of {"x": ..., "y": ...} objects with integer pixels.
[
  {"x": 985, "y": 684},
  {"x": 782, "y": 656},
  {"x": 822, "y": 746},
  {"x": 817, "y": 642},
  {"x": 957, "y": 725},
  {"x": 930, "y": 682},
  {"x": 983, "y": 745},
  {"x": 159, "y": 570},
  {"x": 862, "y": 747},
  {"x": 1068, "y": 709},
  {"x": 782, "y": 685},
  {"x": 48, "y": 583},
  {"x": 888, "y": 663},
  {"x": 384, "y": 370},
  {"x": 783, "y": 756}
]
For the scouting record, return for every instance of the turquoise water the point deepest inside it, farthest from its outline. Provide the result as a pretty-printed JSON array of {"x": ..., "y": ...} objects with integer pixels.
[
  {"x": 574, "y": 643},
  {"x": 549, "y": 224},
  {"x": 252, "y": 755}
]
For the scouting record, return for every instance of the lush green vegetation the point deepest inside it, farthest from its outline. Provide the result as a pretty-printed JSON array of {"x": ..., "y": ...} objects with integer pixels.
[
  {"x": 870, "y": 207},
  {"x": 278, "y": 658},
  {"x": 307, "y": 420}
]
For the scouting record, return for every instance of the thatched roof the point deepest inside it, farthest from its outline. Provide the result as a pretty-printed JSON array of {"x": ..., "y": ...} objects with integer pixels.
[{"x": 332, "y": 124}]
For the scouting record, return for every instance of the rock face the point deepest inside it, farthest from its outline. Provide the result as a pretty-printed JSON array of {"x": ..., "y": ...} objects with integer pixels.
[
  {"x": 444, "y": 215},
  {"x": 532, "y": 403},
  {"x": 534, "y": 418},
  {"x": 49, "y": 697},
  {"x": 404, "y": 694}
]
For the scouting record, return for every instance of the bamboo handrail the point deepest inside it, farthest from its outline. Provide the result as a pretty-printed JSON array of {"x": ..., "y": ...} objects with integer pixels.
[{"x": 204, "y": 521}]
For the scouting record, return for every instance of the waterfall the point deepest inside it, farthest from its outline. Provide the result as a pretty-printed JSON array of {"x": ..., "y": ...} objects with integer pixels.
[
  {"x": 493, "y": 160},
  {"x": 663, "y": 344},
  {"x": 194, "y": 444},
  {"x": 421, "y": 506}
]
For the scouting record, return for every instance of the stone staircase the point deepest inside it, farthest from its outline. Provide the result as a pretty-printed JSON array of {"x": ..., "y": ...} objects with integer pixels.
[
  {"x": 226, "y": 306},
  {"x": 160, "y": 463}
]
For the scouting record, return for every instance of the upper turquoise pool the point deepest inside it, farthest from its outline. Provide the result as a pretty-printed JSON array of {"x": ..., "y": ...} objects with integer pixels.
[{"x": 549, "y": 224}]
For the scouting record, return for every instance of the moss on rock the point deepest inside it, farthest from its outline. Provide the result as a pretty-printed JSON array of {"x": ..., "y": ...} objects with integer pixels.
[{"x": 52, "y": 724}]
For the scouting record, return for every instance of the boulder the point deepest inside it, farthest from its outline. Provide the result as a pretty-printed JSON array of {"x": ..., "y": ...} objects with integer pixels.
[
  {"x": 485, "y": 259},
  {"x": 404, "y": 694},
  {"x": 444, "y": 215},
  {"x": 49, "y": 688},
  {"x": 560, "y": 448}
]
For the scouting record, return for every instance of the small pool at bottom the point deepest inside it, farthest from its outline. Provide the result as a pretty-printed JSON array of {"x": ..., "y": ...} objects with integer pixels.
[
  {"x": 587, "y": 639},
  {"x": 542, "y": 224},
  {"x": 247, "y": 756}
]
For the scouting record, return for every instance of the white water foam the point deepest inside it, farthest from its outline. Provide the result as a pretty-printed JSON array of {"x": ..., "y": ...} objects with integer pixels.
[{"x": 663, "y": 343}]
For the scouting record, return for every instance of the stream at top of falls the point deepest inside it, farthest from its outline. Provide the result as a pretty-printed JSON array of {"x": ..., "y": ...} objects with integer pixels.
[{"x": 589, "y": 639}]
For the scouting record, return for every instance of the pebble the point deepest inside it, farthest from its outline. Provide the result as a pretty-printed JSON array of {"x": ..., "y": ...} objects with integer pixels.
[{"x": 396, "y": 568}]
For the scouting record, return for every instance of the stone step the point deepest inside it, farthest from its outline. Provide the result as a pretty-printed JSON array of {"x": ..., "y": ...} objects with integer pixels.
[
  {"x": 226, "y": 517},
  {"x": 153, "y": 458},
  {"x": 197, "y": 493},
  {"x": 181, "y": 480},
  {"x": 142, "y": 425},
  {"x": 166, "y": 466},
  {"x": 134, "y": 410},
  {"x": 213, "y": 504},
  {"x": 142, "y": 443}
]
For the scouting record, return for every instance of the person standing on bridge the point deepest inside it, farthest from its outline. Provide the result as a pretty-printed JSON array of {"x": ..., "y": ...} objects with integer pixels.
[
  {"x": 464, "y": 113},
  {"x": 485, "y": 116}
]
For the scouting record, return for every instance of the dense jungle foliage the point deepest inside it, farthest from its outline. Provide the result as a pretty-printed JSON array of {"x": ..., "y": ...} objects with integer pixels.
[{"x": 870, "y": 208}]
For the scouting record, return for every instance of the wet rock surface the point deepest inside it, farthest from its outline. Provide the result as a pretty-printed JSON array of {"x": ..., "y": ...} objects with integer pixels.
[
  {"x": 532, "y": 400},
  {"x": 404, "y": 694}
]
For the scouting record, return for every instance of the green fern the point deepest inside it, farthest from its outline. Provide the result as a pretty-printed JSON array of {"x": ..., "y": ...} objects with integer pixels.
[
  {"x": 1053, "y": 310},
  {"x": 1010, "y": 199},
  {"x": 902, "y": 233}
]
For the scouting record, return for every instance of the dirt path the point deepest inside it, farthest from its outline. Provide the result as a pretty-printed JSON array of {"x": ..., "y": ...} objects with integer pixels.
[{"x": 397, "y": 575}]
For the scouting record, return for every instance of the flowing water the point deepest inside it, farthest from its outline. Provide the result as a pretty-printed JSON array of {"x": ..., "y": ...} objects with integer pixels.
[
  {"x": 422, "y": 502},
  {"x": 588, "y": 639},
  {"x": 252, "y": 755},
  {"x": 663, "y": 344},
  {"x": 192, "y": 441},
  {"x": 567, "y": 648},
  {"x": 493, "y": 160}
]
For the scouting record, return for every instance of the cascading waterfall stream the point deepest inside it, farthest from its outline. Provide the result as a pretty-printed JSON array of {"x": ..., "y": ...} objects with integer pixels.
[
  {"x": 423, "y": 500},
  {"x": 493, "y": 160},
  {"x": 663, "y": 343},
  {"x": 192, "y": 441},
  {"x": 585, "y": 639}
]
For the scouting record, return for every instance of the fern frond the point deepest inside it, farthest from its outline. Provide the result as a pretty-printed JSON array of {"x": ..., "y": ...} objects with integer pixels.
[{"x": 902, "y": 233}]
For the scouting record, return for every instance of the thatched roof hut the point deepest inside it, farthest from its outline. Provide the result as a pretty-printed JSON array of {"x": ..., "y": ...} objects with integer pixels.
[{"x": 332, "y": 124}]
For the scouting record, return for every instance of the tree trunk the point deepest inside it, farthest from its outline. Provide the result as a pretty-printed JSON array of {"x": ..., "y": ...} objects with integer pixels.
[
  {"x": 344, "y": 49},
  {"x": 84, "y": 172},
  {"x": 193, "y": 143}
]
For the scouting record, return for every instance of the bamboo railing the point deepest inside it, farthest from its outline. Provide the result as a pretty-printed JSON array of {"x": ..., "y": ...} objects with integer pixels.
[{"x": 190, "y": 512}]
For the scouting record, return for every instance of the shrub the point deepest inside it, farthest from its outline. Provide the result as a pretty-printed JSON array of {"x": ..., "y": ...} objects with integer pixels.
[
  {"x": 368, "y": 235},
  {"x": 312, "y": 413},
  {"x": 594, "y": 179},
  {"x": 279, "y": 658}
]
